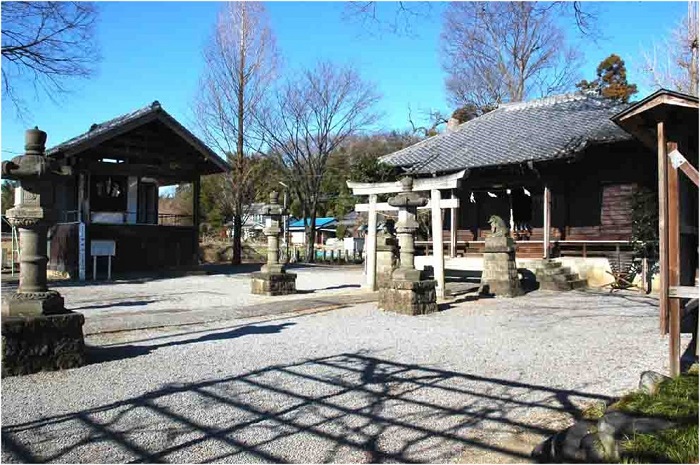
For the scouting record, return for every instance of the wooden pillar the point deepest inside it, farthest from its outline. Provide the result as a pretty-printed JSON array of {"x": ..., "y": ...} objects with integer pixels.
[
  {"x": 371, "y": 244},
  {"x": 195, "y": 219},
  {"x": 547, "y": 198},
  {"x": 663, "y": 221},
  {"x": 673, "y": 257},
  {"x": 453, "y": 228},
  {"x": 438, "y": 254}
]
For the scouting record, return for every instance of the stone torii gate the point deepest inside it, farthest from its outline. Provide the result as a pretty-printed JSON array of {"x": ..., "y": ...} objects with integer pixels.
[{"x": 436, "y": 204}]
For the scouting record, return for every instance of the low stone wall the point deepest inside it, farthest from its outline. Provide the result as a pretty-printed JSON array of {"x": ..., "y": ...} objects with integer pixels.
[
  {"x": 409, "y": 297},
  {"x": 592, "y": 269},
  {"x": 42, "y": 343}
]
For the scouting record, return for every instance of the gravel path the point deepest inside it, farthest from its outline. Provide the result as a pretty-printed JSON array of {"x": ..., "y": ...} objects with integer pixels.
[{"x": 349, "y": 385}]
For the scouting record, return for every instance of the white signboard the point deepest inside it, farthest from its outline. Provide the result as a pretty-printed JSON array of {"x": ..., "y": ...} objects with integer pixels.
[
  {"x": 81, "y": 251},
  {"x": 103, "y": 248}
]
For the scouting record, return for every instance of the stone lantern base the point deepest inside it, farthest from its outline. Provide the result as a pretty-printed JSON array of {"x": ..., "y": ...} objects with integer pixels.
[
  {"x": 270, "y": 283},
  {"x": 409, "y": 297},
  {"x": 500, "y": 275},
  {"x": 42, "y": 343}
]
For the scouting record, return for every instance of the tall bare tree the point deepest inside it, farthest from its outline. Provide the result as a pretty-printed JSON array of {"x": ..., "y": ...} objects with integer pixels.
[
  {"x": 674, "y": 64},
  {"x": 240, "y": 66},
  {"x": 498, "y": 52},
  {"x": 46, "y": 44},
  {"x": 308, "y": 118}
]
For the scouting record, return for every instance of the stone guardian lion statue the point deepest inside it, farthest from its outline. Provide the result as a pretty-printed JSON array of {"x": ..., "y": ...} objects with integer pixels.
[{"x": 498, "y": 226}]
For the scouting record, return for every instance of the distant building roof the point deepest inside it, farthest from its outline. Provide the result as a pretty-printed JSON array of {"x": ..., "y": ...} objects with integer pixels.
[
  {"x": 99, "y": 133},
  {"x": 543, "y": 129},
  {"x": 320, "y": 223}
]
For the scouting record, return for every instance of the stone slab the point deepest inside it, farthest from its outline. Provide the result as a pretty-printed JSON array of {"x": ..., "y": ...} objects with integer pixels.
[
  {"x": 42, "y": 343},
  {"x": 32, "y": 304},
  {"x": 273, "y": 283},
  {"x": 409, "y": 297}
]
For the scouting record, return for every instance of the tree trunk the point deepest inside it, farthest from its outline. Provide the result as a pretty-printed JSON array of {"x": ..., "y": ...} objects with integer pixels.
[
  {"x": 237, "y": 230},
  {"x": 311, "y": 239}
]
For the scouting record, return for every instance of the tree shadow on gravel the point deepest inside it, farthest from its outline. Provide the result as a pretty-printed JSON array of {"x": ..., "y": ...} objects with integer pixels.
[
  {"x": 349, "y": 407},
  {"x": 124, "y": 351}
]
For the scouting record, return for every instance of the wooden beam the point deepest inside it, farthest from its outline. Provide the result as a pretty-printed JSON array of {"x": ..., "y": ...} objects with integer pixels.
[
  {"x": 438, "y": 256},
  {"x": 547, "y": 199},
  {"x": 449, "y": 181},
  {"x": 679, "y": 161},
  {"x": 673, "y": 254},
  {"x": 663, "y": 221},
  {"x": 385, "y": 207},
  {"x": 683, "y": 292},
  {"x": 371, "y": 245},
  {"x": 453, "y": 226},
  {"x": 195, "y": 218}
]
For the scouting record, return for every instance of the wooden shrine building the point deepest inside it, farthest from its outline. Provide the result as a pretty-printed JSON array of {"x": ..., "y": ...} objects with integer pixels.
[
  {"x": 112, "y": 195},
  {"x": 557, "y": 169}
]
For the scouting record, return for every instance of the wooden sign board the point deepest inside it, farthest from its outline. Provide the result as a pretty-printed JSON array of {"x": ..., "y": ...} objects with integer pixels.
[{"x": 103, "y": 248}]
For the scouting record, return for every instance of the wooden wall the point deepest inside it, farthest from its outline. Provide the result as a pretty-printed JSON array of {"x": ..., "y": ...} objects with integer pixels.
[
  {"x": 591, "y": 194},
  {"x": 63, "y": 248},
  {"x": 144, "y": 247}
]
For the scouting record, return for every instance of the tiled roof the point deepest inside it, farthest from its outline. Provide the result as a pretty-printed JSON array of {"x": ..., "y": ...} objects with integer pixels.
[
  {"x": 543, "y": 129},
  {"x": 114, "y": 125}
]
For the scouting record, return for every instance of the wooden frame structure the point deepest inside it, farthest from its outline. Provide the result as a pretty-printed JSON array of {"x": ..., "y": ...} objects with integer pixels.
[
  {"x": 436, "y": 204},
  {"x": 118, "y": 167},
  {"x": 669, "y": 121}
]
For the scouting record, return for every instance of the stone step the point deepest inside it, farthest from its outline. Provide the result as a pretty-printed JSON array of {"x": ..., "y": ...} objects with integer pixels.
[
  {"x": 550, "y": 264},
  {"x": 553, "y": 271},
  {"x": 563, "y": 285}
]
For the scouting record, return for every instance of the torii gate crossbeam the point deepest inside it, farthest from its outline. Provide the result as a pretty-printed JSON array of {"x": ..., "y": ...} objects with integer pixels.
[{"x": 434, "y": 185}]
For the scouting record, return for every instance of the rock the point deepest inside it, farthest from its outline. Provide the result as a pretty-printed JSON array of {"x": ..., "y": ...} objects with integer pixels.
[
  {"x": 571, "y": 447},
  {"x": 565, "y": 446},
  {"x": 649, "y": 381},
  {"x": 618, "y": 424},
  {"x": 592, "y": 448}
]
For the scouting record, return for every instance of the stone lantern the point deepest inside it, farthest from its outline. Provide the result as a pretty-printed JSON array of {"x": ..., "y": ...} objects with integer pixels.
[
  {"x": 38, "y": 333},
  {"x": 408, "y": 292},
  {"x": 272, "y": 279}
]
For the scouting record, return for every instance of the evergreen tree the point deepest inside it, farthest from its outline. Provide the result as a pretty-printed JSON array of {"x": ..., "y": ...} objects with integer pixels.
[{"x": 611, "y": 81}]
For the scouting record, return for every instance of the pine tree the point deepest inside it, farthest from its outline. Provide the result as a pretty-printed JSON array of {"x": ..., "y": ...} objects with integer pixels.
[{"x": 611, "y": 81}]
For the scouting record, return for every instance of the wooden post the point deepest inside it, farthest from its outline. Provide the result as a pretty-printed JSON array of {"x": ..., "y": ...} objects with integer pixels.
[
  {"x": 438, "y": 254},
  {"x": 109, "y": 267},
  {"x": 94, "y": 267},
  {"x": 195, "y": 220},
  {"x": 663, "y": 234},
  {"x": 453, "y": 228},
  {"x": 371, "y": 244},
  {"x": 547, "y": 198},
  {"x": 673, "y": 257}
]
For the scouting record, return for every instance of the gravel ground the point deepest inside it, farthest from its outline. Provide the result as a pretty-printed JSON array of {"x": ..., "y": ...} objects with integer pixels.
[{"x": 348, "y": 385}]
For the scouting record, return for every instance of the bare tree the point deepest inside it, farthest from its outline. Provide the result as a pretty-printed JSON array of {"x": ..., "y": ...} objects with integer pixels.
[
  {"x": 240, "y": 67},
  {"x": 401, "y": 20},
  {"x": 308, "y": 118},
  {"x": 47, "y": 44},
  {"x": 505, "y": 51},
  {"x": 674, "y": 64},
  {"x": 397, "y": 18}
]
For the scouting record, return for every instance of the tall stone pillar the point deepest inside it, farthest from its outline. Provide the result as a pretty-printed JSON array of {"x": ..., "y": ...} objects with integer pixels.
[
  {"x": 38, "y": 333},
  {"x": 407, "y": 292},
  {"x": 272, "y": 279}
]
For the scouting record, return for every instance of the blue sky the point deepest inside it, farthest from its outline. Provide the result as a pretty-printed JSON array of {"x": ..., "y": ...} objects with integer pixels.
[{"x": 152, "y": 51}]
